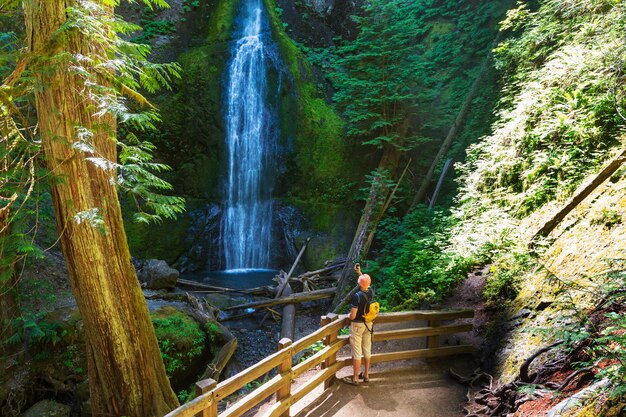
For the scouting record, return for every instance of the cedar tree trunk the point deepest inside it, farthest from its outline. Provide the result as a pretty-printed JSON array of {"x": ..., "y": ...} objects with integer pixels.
[{"x": 126, "y": 373}]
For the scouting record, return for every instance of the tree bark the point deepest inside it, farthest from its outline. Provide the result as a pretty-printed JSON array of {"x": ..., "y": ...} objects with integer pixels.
[{"x": 126, "y": 373}]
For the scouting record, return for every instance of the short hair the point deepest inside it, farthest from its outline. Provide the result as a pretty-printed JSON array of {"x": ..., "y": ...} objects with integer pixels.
[{"x": 365, "y": 280}]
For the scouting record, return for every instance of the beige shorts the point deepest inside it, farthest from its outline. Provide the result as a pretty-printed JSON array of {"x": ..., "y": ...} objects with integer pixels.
[{"x": 360, "y": 340}]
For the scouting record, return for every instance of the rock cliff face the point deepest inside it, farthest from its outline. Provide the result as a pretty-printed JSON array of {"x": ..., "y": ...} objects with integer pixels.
[{"x": 585, "y": 246}]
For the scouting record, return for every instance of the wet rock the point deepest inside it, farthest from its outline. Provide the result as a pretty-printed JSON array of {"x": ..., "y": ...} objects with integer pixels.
[
  {"x": 157, "y": 275},
  {"x": 543, "y": 304},
  {"x": 47, "y": 408},
  {"x": 203, "y": 241}
]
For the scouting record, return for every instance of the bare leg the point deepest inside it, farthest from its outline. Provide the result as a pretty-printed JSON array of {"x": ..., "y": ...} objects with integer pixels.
[
  {"x": 366, "y": 362},
  {"x": 356, "y": 365}
]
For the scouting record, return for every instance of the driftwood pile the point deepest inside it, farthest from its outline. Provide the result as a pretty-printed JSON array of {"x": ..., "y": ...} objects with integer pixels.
[{"x": 205, "y": 314}]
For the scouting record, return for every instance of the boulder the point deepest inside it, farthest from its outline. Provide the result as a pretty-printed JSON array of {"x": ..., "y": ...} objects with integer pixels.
[
  {"x": 156, "y": 274},
  {"x": 47, "y": 408}
]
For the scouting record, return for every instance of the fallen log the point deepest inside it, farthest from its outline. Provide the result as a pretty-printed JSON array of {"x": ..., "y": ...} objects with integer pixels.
[
  {"x": 194, "y": 284},
  {"x": 199, "y": 287},
  {"x": 323, "y": 271},
  {"x": 296, "y": 298},
  {"x": 346, "y": 300},
  {"x": 289, "y": 316},
  {"x": 284, "y": 282},
  {"x": 578, "y": 197},
  {"x": 219, "y": 362},
  {"x": 202, "y": 313}
]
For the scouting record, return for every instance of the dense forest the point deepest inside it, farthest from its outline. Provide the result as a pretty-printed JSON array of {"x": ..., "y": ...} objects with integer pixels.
[{"x": 164, "y": 162}]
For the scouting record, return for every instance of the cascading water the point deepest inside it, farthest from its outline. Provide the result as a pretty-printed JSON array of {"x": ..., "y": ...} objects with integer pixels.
[{"x": 248, "y": 205}]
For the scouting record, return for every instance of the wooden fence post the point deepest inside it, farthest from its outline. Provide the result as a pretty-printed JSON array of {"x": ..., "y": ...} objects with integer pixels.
[
  {"x": 202, "y": 387},
  {"x": 330, "y": 339},
  {"x": 285, "y": 367},
  {"x": 324, "y": 320},
  {"x": 433, "y": 341}
]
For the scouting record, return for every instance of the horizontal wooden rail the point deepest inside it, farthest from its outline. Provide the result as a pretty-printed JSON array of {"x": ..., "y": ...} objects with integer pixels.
[
  {"x": 420, "y": 353},
  {"x": 318, "y": 358},
  {"x": 424, "y": 331},
  {"x": 206, "y": 403},
  {"x": 424, "y": 315}
]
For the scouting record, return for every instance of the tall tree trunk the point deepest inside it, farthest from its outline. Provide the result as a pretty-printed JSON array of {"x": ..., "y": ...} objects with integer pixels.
[
  {"x": 8, "y": 287},
  {"x": 456, "y": 126},
  {"x": 126, "y": 373},
  {"x": 378, "y": 194}
]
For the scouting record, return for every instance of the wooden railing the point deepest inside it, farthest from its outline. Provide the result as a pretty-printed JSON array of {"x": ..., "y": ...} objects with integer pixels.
[{"x": 209, "y": 393}]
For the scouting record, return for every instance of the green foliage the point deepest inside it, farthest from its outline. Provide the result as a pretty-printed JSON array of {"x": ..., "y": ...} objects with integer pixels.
[
  {"x": 152, "y": 28},
  {"x": 114, "y": 70},
  {"x": 180, "y": 338},
  {"x": 406, "y": 57},
  {"x": 559, "y": 119},
  {"x": 213, "y": 332},
  {"x": 607, "y": 218},
  {"x": 414, "y": 265},
  {"x": 504, "y": 280},
  {"x": 184, "y": 396},
  {"x": 35, "y": 329},
  {"x": 375, "y": 74},
  {"x": 312, "y": 350}
]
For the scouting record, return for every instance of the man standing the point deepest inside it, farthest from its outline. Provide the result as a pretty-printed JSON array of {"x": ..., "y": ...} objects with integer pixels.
[{"x": 360, "y": 330}]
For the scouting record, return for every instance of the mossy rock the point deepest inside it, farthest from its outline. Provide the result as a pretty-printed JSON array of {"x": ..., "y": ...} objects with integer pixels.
[
  {"x": 320, "y": 149},
  {"x": 47, "y": 408},
  {"x": 181, "y": 339}
]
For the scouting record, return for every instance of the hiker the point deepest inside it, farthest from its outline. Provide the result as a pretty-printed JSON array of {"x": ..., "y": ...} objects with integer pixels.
[{"x": 360, "y": 331}]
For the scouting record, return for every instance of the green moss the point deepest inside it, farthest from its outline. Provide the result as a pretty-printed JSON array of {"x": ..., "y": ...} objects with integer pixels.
[
  {"x": 222, "y": 19},
  {"x": 320, "y": 148},
  {"x": 180, "y": 338}
]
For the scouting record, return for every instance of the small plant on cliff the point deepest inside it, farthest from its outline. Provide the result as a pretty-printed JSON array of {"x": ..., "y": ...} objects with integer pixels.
[{"x": 598, "y": 333}]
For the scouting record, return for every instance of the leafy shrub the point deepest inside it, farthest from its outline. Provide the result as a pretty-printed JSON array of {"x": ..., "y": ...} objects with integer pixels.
[
  {"x": 35, "y": 329},
  {"x": 607, "y": 218},
  {"x": 414, "y": 265},
  {"x": 504, "y": 281}
]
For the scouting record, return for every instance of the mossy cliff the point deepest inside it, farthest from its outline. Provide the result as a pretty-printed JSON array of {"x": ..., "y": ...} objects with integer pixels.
[
  {"x": 319, "y": 153},
  {"x": 193, "y": 122}
]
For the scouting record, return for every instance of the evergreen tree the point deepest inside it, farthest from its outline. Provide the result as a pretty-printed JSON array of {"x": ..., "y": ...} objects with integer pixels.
[
  {"x": 376, "y": 90},
  {"x": 79, "y": 68}
]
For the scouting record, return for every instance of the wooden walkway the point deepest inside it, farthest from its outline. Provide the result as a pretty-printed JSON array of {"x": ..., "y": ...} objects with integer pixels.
[{"x": 298, "y": 389}]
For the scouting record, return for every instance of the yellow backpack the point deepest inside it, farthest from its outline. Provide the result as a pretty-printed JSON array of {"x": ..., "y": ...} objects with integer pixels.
[{"x": 371, "y": 309}]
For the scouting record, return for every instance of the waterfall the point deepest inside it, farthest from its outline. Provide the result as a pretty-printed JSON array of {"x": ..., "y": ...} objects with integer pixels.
[{"x": 248, "y": 205}]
